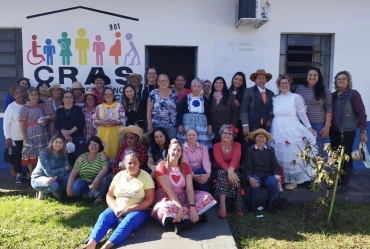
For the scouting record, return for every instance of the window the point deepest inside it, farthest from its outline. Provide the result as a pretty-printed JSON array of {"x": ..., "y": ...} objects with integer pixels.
[
  {"x": 11, "y": 62},
  {"x": 298, "y": 52}
]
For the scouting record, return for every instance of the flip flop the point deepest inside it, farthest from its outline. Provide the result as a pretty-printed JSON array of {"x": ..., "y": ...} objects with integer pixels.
[{"x": 98, "y": 200}]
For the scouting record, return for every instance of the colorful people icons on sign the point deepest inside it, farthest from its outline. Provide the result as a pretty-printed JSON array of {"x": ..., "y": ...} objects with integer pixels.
[
  {"x": 99, "y": 48},
  {"x": 82, "y": 46},
  {"x": 65, "y": 52}
]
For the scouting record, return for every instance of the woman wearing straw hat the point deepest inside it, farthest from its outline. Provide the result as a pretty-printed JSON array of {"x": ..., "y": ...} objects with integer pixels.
[
  {"x": 89, "y": 110},
  {"x": 78, "y": 93},
  {"x": 261, "y": 168},
  {"x": 290, "y": 134},
  {"x": 55, "y": 92},
  {"x": 133, "y": 136}
]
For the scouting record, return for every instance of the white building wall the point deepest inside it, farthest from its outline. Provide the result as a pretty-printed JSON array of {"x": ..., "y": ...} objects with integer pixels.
[{"x": 201, "y": 22}]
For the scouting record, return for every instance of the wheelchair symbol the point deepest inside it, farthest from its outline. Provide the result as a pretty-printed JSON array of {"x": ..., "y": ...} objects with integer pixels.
[{"x": 32, "y": 53}]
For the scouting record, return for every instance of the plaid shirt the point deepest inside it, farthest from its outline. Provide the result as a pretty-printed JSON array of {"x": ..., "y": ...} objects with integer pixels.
[
  {"x": 89, "y": 129},
  {"x": 140, "y": 150}
]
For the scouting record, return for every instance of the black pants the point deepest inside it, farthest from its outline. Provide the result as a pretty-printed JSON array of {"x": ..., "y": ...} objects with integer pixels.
[
  {"x": 347, "y": 142},
  {"x": 17, "y": 155}
]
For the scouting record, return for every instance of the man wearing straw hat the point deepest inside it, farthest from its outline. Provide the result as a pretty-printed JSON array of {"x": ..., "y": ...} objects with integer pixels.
[
  {"x": 132, "y": 135},
  {"x": 261, "y": 168},
  {"x": 135, "y": 80},
  {"x": 256, "y": 106}
]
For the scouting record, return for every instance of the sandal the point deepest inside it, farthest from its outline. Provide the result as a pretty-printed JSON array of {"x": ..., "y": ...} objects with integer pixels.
[
  {"x": 98, "y": 200},
  {"x": 291, "y": 185},
  {"x": 39, "y": 195}
]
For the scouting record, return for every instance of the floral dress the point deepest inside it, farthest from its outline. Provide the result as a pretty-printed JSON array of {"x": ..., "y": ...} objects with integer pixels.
[
  {"x": 164, "y": 110},
  {"x": 50, "y": 107},
  {"x": 37, "y": 135},
  {"x": 109, "y": 134},
  {"x": 164, "y": 207}
]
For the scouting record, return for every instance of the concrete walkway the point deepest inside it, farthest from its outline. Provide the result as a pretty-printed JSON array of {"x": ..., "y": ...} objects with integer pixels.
[{"x": 216, "y": 232}]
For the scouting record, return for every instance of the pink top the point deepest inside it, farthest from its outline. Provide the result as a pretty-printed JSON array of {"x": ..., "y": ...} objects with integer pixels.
[
  {"x": 197, "y": 158},
  {"x": 177, "y": 179},
  {"x": 99, "y": 95},
  {"x": 181, "y": 95},
  {"x": 225, "y": 161}
]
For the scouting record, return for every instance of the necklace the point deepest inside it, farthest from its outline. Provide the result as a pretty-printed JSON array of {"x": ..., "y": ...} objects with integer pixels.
[
  {"x": 226, "y": 149},
  {"x": 67, "y": 112}
]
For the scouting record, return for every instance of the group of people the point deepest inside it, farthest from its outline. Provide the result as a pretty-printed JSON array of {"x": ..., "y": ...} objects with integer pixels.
[{"x": 183, "y": 139}]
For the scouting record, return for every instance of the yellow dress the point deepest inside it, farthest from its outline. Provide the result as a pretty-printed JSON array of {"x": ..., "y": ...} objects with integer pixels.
[{"x": 109, "y": 134}]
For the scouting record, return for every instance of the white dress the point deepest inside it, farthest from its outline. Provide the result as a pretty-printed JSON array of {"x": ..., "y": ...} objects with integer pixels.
[{"x": 289, "y": 135}]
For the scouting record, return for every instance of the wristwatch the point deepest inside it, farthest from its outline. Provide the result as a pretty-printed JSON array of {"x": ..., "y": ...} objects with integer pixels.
[{"x": 363, "y": 132}]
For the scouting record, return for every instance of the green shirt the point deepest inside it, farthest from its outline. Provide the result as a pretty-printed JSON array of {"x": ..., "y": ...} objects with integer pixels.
[{"x": 87, "y": 171}]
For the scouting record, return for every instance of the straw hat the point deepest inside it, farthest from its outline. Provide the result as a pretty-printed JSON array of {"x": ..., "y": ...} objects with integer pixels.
[
  {"x": 134, "y": 75},
  {"x": 77, "y": 85},
  {"x": 53, "y": 86},
  {"x": 362, "y": 154},
  {"x": 99, "y": 76},
  {"x": 132, "y": 129},
  {"x": 90, "y": 93},
  {"x": 260, "y": 72},
  {"x": 253, "y": 134}
]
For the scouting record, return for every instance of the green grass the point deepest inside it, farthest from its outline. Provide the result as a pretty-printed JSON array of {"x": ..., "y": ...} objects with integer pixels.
[
  {"x": 289, "y": 228},
  {"x": 28, "y": 223}
]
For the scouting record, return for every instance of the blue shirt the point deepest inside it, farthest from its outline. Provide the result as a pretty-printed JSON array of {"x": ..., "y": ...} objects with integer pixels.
[
  {"x": 8, "y": 99},
  {"x": 49, "y": 165}
]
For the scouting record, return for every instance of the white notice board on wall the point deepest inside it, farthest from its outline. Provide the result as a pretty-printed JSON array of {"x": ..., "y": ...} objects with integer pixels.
[{"x": 232, "y": 56}]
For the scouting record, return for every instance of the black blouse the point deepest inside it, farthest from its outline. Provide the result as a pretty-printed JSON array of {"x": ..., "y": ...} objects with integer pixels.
[{"x": 68, "y": 118}]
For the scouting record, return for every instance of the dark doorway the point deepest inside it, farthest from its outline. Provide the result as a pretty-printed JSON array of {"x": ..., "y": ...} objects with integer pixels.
[{"x": 173, "y": 61}]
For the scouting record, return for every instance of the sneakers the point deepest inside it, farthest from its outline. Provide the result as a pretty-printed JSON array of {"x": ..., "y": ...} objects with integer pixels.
[{"x": 18, "y": 180}]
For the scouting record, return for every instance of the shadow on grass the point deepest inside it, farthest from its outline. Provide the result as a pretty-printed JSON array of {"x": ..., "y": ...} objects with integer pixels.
[{"x": 292, "y": 225}]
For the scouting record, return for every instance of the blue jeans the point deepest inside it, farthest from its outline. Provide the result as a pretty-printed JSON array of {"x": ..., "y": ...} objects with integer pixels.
[
  {"x": 82, "y": 187},
  {"x": 197, "y": 185},
  {"x": 171, "y": 132},
  {"x": 268, "y": 182},
  {"x": 58, "y": 186},
  {"x": 318, "y": 127},
  {"x": 79, "y": 143},
  {"x": 108, "y": 219}
]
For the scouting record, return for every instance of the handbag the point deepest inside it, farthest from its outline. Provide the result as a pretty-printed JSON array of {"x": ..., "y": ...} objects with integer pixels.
[{"x": 280, "y": 203}]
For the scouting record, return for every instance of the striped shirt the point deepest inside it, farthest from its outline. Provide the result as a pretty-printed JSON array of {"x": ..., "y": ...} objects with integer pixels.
[
  {"x": 197, "y": 158},
  {"x": 316, "y": 109},
  {"x": 87, "y": 171}
]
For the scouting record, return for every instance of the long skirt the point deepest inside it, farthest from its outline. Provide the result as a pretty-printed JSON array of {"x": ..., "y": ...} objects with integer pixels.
[
  {"x": 38, "y": 138},
  {"x": 111, "y": 139},
  {"x": 164, "y": 207},
  {"x": 199, "y": 122},
  {"x": 223, "y": 187}
]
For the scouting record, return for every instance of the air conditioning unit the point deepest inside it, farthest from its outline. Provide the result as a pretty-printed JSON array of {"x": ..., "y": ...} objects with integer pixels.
[{"x": 252, "y": 13}]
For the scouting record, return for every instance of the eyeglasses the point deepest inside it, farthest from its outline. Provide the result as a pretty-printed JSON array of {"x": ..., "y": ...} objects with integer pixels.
[
  {"x": 227, "y": 133},
  {"x": 284, "y": 83},
  {"x": 108, "y": 94},
  {"x": 94, "y": 145}
]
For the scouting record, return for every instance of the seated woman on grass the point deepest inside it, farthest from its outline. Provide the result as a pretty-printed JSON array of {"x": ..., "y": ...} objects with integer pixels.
[
  {"x": 91, "y": 168},
  {"x": 52, "y": 169},
  {"x": 129, "y": 197}
]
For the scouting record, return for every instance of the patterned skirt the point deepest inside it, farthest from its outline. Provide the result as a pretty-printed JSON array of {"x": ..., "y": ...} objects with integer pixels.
[
  {"x": 199, "y": 122},
  {"x": 164, "y": 207},
  {"x": 223, "y": 187},
  {"x": 38, "y": 138}
]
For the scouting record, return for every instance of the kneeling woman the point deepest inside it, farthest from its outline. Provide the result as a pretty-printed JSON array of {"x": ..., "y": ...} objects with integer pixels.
[
  {"x": 176, "y": 201},
  {"x": 52, "y": 169},
  {"x": 129, "y": 196},
  {"x": 92, "y": 168}
]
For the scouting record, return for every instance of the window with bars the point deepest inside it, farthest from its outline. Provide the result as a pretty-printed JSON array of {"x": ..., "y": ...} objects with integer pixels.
[
  {"x": 298, "y": 52},
  {"x": 11, "y": 60}
]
